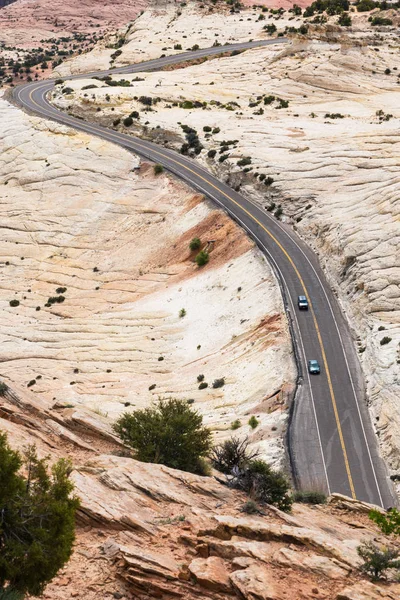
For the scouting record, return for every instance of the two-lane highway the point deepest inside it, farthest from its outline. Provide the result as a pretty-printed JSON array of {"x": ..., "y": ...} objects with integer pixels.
[{"x": 333, "y": 446}]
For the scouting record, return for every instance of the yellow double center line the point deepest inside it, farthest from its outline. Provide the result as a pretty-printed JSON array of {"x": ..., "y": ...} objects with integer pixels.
[{"x": 317, "y": 329}]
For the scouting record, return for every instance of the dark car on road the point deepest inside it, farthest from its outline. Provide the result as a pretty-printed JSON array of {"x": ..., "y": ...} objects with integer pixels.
[
  {"x": 302, "y": 303},
  {"x": 313, "y": 367}
]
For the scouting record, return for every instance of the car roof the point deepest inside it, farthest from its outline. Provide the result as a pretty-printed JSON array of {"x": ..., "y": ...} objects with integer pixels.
[
  {"x": 313, "y": 361},
  {"x": 302, "y": 298}
]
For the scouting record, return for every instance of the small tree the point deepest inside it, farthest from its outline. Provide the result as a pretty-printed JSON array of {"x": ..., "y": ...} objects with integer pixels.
[
  {"x": 377, "y": 560},
  {"x": 253, "y": 421},
  {"x": 37, "y": 521},
  {"x": 202, "y": 258},
  {"x": 195, "y": 244},
  {"x": 158, "y": 169},
  {"x": 389, "y": 522},
  {"x": 128, "y": 121},
  {"x": 169, "y": 433}
]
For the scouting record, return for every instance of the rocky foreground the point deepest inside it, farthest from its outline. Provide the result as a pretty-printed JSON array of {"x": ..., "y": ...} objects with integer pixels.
[{"x": 147, "y": 531}]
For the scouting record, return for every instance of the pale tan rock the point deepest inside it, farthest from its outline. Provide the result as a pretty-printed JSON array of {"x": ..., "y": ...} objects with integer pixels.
[
  {"x": 321, "y": 565},
  {"x": 255, "y": 583},
  {"x": 368, "y": 591},
  {"x": 211, "y": 573},
  {"x": 345, "y": 502}
]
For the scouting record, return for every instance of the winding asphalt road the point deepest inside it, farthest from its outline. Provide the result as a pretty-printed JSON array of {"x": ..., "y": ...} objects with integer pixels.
[{"x": 332, "y": 444}]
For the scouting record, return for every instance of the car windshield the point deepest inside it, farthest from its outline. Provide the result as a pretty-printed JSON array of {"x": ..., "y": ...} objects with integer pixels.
[
  {"x": 302, "y": 299},
  {"x": 313, "y": 363}
]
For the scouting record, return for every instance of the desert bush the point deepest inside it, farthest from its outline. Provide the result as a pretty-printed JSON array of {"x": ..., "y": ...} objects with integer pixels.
[
  {"x": 268, "y": 181},
  {"x": 270, "y": 29},
  {"x": 3, "y": 388},
  {"x": 169, "y": 433},
  {"x": 37, "y": 520},
  {"x": 263, "y": 484},
  {"x": 217, "y": 383},
  {"x": 178, "y": 47},
  {"x": 233, "y": 453},
  {"x": 202, "y": 258},
  {"x": 344, "y": 20},
  {"x": 244, "y": 161},
  {"x": 253, "y": 422},
  {"x": 195, "y": 244},
  {"x": 365, "y": 5},
  {"x": 206, "y": 128},
  {"x": 14, "y": 303},
  {"x": 182, "y": 313},
  {"x": 211, "y": 153},
  {"x": 134, "y": 114},
  {"x": 385, "y": 340},
  {"x": 235, "y": 424},
  {"x": 158, "y": 169},
  {"x": 309, "y": 497},
  {"x": 91, "y": 86},
  {"x": 116, "y": 122},
  {"x": 200, "y": 378},
  {"x": 203, "y": 385},
  {"x": 146, "y": 100},
  {"x": 250, "y": 508},
  {"x": 128, "y": 121},
  {"x": 216, "y": 130},
  {"x": 388, "y": 523},
  {"x": 377, "y": 559},
  {"x": 381, "y": 21}
]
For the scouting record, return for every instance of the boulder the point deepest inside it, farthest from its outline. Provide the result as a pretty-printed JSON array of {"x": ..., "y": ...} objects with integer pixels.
[
  {"x": 321, "y": 565},
  {"x": 255, "y": 583},
  {"x": 368, "y": 591},
  {"x": 211, "y": 574}
]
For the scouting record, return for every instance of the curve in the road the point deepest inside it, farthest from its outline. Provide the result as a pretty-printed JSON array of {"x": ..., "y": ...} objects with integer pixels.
[{"x": 333, "y": 446}]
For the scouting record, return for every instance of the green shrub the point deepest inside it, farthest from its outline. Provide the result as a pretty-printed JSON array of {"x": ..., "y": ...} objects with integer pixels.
[
  {"x": 202, "y": 258},
  {"x": 217, "y": 383},
  {"x": 152, "y": 387},
  {"x": 203, "y": 385},
  {"x": 37, "y": 520},
  {"x": 116, "y": 122},
  {"x": 377, "y": 559},
  {"x": 232, "y": 453},
  {"x": 263, "y": 484},
  {"x": 269, "y": 99},
  {"x": 195, "y": 244},
  {"x": 146, "y": 100},
  {"x": 169, "y": 433},
  {"x": 385, "y": 340},
  {"x": 128, "y": 121},
  {"x": 178, "y": 47},
  {"x": 250, "y": 508},
  {"x": 244, "y": 161},
  {"x": 134, "y": 114},
  {"x": 309, "y": 497},
  {"x": 365, "y": 5},
  {"x": 344, "y": 20},
  {"x": 158, "y": 169},
  {"x": 14, "y": 303},
  {"x": 216, "y": 130},
  {"x": 235, "y": 424},
  {"x": 268, "y": 181},
  {"x": 3, "y": 388},
  {"x": 200, "y": 378},
  {"x": 253, "y": 422},
  {"x": 182, "y": 313},
  {"x": 388, "y": 523},
  {"x": 211, "y": 153},
  {"x": 206, "y": 128},
  {"x": 381, "y": 21}
]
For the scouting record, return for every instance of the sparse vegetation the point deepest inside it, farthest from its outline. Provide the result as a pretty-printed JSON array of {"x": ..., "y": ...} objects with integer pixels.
[
  {"x": 195, "y": 244},
  {"x": 309, "y": 497},
  {"x": 232, "y": 453},
  {"x": 182, "y": 313},
  {"x": 377, "y": 559},
  {"x": 263, "y": 484},
  {"x": 203, "y": 385},
  {"x": 250, "y": 508},
  {"x": 388, "y": 522},
  {"x": 3, "y": 388},
  {"x": 202, "y": 258},
  {"x": 253, "y": 422},
  {"x": 200, "y": 378},
  {"x": 158, "y": 169},
  {"x": 217, "y": 383},
  {"x": 385, "y": 340},
  {"x": 169, "y": 433},
  {"x": 235, "y": 424}
]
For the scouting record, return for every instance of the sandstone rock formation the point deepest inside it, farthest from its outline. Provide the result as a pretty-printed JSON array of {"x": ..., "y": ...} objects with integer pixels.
[{"x": 331, "y": 154}]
